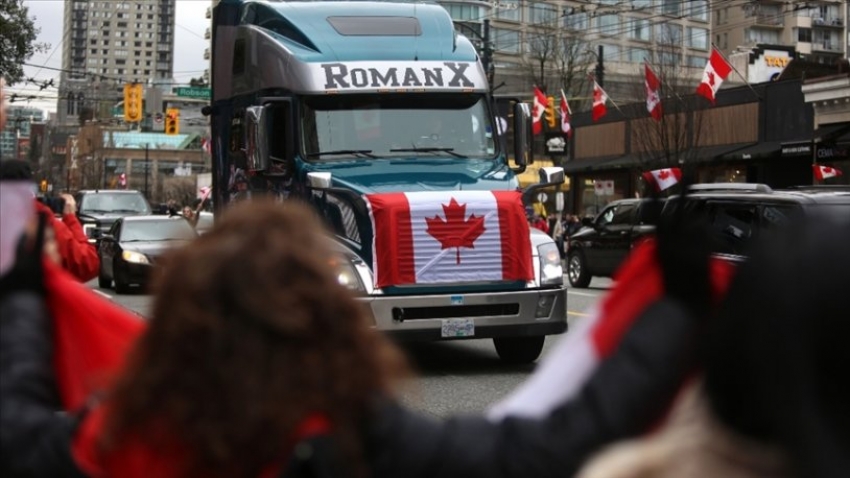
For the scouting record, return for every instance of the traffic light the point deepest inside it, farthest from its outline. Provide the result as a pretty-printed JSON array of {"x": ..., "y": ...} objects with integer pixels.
[
  {"x": 133, "y": 103},
  {"x": 172, "y": 121},
  {"x": 550, "y": 112}
]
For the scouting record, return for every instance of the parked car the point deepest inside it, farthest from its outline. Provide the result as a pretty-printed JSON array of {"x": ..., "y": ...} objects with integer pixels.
[
  {"x": 600, "y": 247},
  {"x": 132, "y": 247},
  {"x": 98, "y": 209}
]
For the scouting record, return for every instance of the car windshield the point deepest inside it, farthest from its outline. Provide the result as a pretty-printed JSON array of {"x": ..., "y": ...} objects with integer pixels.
[
  {"x": 161, "y": 230},
  {"x": 369, "y": 126},
  {"x": 114, "y": 203}
]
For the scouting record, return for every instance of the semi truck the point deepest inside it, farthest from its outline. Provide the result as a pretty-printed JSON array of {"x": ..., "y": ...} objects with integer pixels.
[{"x": 379, "y": 115}]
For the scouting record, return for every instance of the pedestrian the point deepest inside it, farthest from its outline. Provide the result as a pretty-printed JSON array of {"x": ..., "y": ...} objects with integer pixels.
[
  {"x": 190, "y": 215},
  {"x": 558, "y": 234},
  {"x": 538, "y": 222},
  {"x": 773, "y": 397},
  {"x": 79, "y": 257},
  {"x": 255, "y": 351},
  {"x": 574, "y": 225}
]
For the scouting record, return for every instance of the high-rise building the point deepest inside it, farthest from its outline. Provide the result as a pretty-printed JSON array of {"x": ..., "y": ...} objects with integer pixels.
[
  {"x": 15, "y": 139},
  {"x": 817, "y": 30},
  {"x": 109, "y": 43}
]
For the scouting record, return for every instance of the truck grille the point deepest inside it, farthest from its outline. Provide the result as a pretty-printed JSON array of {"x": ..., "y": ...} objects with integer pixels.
[{"x": 401, "y": 314}]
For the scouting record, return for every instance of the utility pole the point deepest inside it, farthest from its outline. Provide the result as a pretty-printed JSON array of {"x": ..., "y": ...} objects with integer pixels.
[
  {"x": 487, "y": 54},
  {"x": 146, "y": 172},
  {"x": 600, "y": 68}
]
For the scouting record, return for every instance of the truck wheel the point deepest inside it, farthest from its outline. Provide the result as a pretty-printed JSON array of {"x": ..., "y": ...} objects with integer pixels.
[
  {"x": 519, "y": 350},
  {"x": 577, "y": 271}
]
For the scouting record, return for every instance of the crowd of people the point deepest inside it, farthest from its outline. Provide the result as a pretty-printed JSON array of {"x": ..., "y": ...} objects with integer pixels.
[
  {"x": 559, "y": 226},
  {"x": 256, "y": 362}
]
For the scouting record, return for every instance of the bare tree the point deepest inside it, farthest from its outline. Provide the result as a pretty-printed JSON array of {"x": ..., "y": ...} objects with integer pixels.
[
  {"x": 572, "y": 60},
  {"x": 542, "y": 46},
  {"x": 675, "y": 139}
]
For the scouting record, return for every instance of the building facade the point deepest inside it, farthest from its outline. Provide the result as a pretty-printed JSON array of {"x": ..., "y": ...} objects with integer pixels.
[
  {"x": 817, "y": 30},
  {"x": 15, "y": 139},
  {"x": 108, "y": 44}
]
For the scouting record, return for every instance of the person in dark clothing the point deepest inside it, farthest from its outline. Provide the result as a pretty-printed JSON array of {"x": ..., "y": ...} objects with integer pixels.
[
  {"x": 35, "y": 433},
  {"x": 244, "y": 345}
]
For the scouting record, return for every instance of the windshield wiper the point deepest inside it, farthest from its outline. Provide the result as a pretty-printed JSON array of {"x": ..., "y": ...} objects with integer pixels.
[
  {"x": 428, "y": 150},
  {"x": 126, "y": 210},
  {"x": 362, "y": 152},
  {"x": 95, "y": 211}
]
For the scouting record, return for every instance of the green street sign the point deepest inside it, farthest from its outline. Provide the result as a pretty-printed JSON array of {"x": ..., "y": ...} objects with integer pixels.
[{"x": 193, "y": 92}]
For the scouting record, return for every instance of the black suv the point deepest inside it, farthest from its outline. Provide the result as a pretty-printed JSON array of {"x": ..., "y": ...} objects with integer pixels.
[
  {"x": 741, "y": 212},
  {"x": 600, "y": 247},
  {"x": 99, "y": 209}
]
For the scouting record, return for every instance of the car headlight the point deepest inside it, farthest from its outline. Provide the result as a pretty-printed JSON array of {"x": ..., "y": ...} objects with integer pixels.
[
  {"x": 346, "y": 273},
  {"x": 551, "y": 272},
  {"x": 135, "y": 257}
]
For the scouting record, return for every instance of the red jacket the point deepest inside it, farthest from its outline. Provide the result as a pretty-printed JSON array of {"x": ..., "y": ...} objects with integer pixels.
[{"x": 78, "y": 256}]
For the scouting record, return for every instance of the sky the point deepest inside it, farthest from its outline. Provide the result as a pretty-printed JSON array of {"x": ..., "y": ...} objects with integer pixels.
[{"x": 189, "y": 61}]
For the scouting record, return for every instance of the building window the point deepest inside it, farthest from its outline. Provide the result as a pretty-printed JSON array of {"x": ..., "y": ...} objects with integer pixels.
[
  {"x": 575, "y": 21},
  {"x": 458, "y": 11},
  {"x": 755, "y": 35},
  {"x": 542, "y": 14},
  {"x": 804, "y": 35},
  {"x": 697, "y": 38},
  {"x": 639, "y": 29},
  {"x": 669, "y": 34},
  {"x": 696, "y": 61},
  {"x": 698, "y": 9},
  {"x": 671, "y": 7},
  {"x": 506, "y": 41},
  {"x": 611, "y": 52},
  {"x": 608, "y": 24},
  {"x": 509, "y": 10},
  {"x": 638, "y": 55}
]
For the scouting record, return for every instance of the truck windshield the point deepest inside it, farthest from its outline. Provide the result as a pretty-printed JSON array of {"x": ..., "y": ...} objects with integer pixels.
[{"x": 369, "y": 126}]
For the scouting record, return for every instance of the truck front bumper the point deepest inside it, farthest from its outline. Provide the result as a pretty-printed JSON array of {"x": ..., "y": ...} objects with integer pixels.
[{"x": 524, "y": 313}]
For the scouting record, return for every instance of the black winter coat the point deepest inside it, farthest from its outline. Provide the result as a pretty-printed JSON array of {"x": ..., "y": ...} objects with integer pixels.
[{"x": 35, "y": 434}]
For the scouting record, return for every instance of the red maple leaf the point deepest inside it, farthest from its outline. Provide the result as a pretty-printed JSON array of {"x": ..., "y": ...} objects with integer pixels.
[
  {"x": 455, "y": 230},
  {"x": 827, "y": 169},
  {"x": 711, "y": 78},
  {"x": 664, "y": 174}
]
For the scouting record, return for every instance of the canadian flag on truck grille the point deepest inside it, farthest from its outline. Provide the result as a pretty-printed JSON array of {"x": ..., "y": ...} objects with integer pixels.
[{"x": 449, "y": 237}]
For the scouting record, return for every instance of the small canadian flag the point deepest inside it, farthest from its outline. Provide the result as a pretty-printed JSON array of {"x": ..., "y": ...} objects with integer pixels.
[
  {"x": 565, "y": 116},
  {"x": 599, "y": 100},
  {"x": 663, "y": 178},
  {"x": 825, "y": 172},
  {"x": 653, "y": 99},
  {"x": 540, "y": 103},
  {"x": 716, "y": 70}
]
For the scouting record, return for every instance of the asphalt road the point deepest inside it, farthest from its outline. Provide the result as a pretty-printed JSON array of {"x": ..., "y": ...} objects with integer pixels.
[{"x": 452, "y": 377}]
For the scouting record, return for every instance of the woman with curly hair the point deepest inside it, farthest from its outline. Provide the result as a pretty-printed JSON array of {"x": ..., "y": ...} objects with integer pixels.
[{"x": 258, "y": 363}]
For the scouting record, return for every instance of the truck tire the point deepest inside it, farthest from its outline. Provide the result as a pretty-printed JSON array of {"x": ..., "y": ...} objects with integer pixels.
[
  {"x": 519, "y": 350},
  {"x": 577, "y": 272}
]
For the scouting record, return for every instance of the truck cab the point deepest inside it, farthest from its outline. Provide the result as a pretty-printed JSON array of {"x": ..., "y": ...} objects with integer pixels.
[{"x": 379, "y": 115}]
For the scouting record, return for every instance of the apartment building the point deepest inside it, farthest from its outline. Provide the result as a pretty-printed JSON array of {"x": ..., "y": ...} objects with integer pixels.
[
  {"x": 15, "y": 138},
  {"x": 524, "y": 32},
  {"x": 817, "y": 30},
  {"x": 108, "y": 43}
]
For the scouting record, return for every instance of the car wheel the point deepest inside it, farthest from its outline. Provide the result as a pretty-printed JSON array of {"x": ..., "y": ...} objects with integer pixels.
[
  {"x": 102, "y": 281},
  {"x": 577, "y": 272},
  {"x": 519, "y": 350},
  {"x": 121, "y": 285}
]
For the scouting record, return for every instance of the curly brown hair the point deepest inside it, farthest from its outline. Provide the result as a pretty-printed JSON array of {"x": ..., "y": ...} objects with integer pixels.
[{"x": 251, "y": 331}]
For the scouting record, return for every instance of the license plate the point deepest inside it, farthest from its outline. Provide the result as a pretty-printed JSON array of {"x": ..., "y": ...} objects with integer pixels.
[{"x": 458, "y": 328}]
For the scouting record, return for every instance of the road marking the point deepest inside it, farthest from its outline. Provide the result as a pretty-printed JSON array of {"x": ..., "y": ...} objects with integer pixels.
[
  {"x": 577, "y": 314},
  {"x": 585, "y": 294},
  {"x": 103, "y": 294}
]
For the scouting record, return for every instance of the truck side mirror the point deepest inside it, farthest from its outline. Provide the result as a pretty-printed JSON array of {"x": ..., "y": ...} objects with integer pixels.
[
  {"x": 319, "y": 180},
  {"x": 523, "y": 136},
  {"x": 256, "y": 138}
]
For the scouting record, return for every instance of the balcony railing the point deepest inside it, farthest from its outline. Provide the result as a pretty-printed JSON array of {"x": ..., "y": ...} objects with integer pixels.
[
  {"x": 771, "y": 20},
  {"x": 827, "y": 46}
]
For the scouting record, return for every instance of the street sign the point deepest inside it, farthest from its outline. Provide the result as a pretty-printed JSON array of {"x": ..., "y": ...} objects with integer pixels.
[
  {"x": 559, "y": 201},
  {"x": 193, "y": 92},
  {"x": 542, "y": 197}
]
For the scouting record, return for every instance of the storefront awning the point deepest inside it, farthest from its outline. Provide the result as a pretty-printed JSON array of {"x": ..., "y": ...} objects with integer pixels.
[
  {"x": 599, "y": 163},
  {"x": 832, "y": 132},
  {"x": 754, "y": 152},
  {"x": 718, "y": 153}
]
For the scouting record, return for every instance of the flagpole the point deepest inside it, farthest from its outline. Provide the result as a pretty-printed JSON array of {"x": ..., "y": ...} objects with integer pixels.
[
  {"x": 714, "y": 47},
  {"x": 606, "y": 95}
]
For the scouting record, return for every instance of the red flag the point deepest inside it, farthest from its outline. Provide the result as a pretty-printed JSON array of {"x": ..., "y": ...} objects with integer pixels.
[
  {"x": 653, "y": 99},
  {"x": 565, "y": 116},
  {"x": 449, "y": 237},
  {"x": 91, "y": 337},
  {"x": 599, "y": 100},
  {"x": 663, "y": 178},
  {"x": 540, "y": 103},
  {"x": 825, "y": 172},
  {"x": 639, "y": 283},
  {"x": 716, "y": 70}
]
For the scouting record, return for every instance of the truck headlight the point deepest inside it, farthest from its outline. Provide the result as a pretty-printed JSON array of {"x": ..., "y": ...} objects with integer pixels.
[
  {"x": 135, "y": 257},
  {"x": 346, "y": 273},
  {"x": 551, "y": 272}
]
